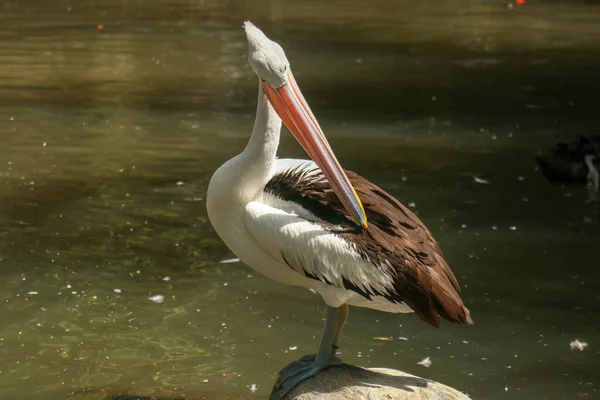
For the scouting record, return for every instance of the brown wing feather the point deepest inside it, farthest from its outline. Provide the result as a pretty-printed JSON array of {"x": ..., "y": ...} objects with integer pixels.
[{"x": 396, "y": 240}]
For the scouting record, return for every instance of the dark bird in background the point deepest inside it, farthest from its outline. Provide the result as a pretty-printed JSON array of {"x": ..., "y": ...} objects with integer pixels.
[{"x": 574, "y": 162}]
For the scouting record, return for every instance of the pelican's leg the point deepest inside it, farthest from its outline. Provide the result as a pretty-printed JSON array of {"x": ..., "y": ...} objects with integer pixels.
[{"x": 310, "y": 365}]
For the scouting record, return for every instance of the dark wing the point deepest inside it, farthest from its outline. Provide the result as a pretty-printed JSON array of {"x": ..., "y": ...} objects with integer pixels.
[{"x": 396, "y": 241}]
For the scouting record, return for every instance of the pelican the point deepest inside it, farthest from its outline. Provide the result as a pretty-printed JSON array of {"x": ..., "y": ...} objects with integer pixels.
[{"x": 302, "y": 222}]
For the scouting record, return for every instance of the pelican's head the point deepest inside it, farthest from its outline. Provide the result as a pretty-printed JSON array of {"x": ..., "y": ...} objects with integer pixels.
[{"x": 268, "y": 61}]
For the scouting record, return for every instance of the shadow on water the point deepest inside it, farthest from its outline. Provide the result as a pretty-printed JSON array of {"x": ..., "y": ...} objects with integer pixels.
[{"x": 115, "y": 114}]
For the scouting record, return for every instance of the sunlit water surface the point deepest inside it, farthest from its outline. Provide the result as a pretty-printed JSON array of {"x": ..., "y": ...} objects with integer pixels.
[{"x": 114, "y": 114}]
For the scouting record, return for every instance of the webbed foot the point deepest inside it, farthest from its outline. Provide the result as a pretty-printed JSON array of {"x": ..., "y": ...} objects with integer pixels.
[
  {"x": 335, "y": 361},
  {"x": 299, "y": 371}
]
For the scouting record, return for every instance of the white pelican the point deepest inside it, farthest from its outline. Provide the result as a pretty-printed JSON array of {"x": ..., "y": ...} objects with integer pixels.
[{"x": 302, "y": 223}]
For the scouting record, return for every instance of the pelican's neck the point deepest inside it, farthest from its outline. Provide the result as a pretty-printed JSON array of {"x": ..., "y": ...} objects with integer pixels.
[
  {"x": 243, "y": 178},
  {"x": 261, "y": 150}
]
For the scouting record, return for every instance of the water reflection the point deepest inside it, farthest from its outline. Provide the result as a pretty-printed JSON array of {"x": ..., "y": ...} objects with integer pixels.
[{"x": 109, "y": 137}]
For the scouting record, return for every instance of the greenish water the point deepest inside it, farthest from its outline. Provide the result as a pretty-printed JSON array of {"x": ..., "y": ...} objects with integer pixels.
[{"x": 109, "y": 137}]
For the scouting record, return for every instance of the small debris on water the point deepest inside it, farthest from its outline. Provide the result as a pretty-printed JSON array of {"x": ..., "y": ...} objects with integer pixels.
[
  {"x": 383, "y": 338},
  {"x": 578, "y": 345},
  {"x": 166, "y": 278},
  {"x": 513, "y": 228},
  {"x": 159, "y": 298},
  {"x": 412, "y": 204},
  {"x": 292, "y": 348},
  {"x": 481, "y": 180},
  {"x": 253, "y": 387},
  {"x": 402, "y": 338},
  {"x": 426, "y": 362},
  {"x": 180, "y": 183},
  {"x": 229, "y": 260},
  {"x": 117, "y": 290}
]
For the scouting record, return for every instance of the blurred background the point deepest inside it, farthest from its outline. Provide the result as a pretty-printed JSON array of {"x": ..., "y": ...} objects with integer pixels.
[{"x": 115, "y": 113}]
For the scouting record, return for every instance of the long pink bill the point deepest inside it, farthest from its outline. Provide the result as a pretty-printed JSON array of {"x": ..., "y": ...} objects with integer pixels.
[{"x": 292, "y": 108}]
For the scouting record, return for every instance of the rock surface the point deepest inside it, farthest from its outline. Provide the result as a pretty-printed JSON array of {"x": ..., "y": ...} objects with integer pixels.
[{"x": 348, "y": 382}]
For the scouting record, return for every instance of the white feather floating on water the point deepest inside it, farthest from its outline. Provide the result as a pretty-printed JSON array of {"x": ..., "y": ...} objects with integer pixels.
[
  {"x": 229, "y": 261},
  {"x": 159, "y": 298},
  {"x": 578, "y": 345},
  {"x": 426, "y": 362},
  {"x": 481, "y": 180}
]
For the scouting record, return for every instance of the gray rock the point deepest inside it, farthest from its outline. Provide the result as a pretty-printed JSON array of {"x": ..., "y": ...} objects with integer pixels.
[{"x": 348, "y": 382}]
